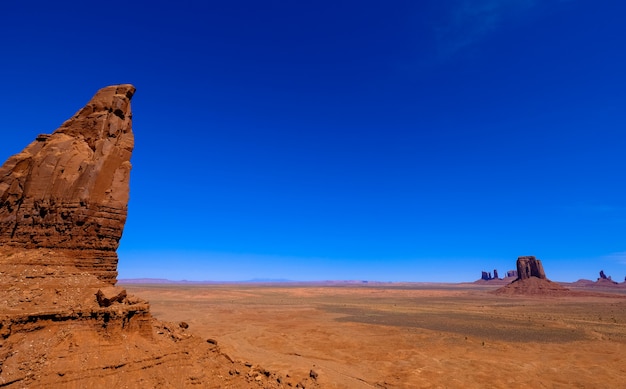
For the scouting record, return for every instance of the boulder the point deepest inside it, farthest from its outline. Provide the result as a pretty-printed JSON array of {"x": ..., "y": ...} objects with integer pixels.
[{"x": 109, "y": 295}]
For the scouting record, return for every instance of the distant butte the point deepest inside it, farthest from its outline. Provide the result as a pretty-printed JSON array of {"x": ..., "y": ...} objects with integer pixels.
[{"x": 532, "y": 280}]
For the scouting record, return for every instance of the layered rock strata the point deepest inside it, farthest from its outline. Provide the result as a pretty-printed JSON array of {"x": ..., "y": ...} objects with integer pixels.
[
  {"x": 63, "y": 205},
  {"x": 69, "y": 190}
]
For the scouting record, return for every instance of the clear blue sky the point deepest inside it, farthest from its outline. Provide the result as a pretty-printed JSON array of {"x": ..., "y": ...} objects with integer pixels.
[{"x": 378, "y": 140}]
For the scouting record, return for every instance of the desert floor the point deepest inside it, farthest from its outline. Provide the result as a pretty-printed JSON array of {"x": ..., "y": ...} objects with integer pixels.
[{"x": 407, "y": 336}]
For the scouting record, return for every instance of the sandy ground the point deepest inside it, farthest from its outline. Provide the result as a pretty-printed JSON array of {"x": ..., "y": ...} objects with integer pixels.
[{"x": 407, "y": 336}]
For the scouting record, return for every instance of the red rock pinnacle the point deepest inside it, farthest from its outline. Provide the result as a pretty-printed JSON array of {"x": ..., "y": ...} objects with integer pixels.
[{"x": 70, "y": 189}]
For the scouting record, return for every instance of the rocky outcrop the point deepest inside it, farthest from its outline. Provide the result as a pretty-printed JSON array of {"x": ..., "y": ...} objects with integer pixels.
[
  {"x": 605, "y": 280},
  {"x": 495, "y": 274},
  {"x": 485, "y": 276},
  {"x": 529, "y": 266},
  {"x": 511, "y": 273}
]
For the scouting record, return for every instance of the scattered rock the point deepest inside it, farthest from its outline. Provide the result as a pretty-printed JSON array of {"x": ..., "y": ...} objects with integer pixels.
[
  {"x": 183, "y": 325},
  {"x": 313, "y": 374}
]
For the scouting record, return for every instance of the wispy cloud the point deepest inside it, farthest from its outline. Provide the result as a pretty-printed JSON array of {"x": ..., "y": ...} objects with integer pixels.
[
  {"x": 470, "y": 21},
  {"x": 617, "y": 257}
]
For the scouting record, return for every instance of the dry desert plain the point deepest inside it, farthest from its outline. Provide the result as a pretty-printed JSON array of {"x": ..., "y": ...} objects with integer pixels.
[{"x": 407, "y": 335}]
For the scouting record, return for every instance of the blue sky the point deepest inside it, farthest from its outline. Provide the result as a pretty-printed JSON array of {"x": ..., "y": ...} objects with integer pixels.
[{"x": 391, "y": 141}]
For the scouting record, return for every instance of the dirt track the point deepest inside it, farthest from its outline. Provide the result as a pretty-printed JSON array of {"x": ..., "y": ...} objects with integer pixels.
[{"x": 407, "y": 336}]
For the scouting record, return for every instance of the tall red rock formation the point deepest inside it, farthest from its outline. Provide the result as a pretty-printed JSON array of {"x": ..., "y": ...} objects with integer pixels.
[
  {"x": 529, "y": 266},
  {"x": 69, "y": 190}
]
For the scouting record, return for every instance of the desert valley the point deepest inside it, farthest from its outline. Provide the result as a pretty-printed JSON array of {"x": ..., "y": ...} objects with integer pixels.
[{"x": 408, "y": 335}]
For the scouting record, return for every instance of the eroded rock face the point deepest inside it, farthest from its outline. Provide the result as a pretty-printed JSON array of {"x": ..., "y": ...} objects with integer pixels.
[
  {"x": 69, "y": 190},
  {"x": 529, "y": 266}
]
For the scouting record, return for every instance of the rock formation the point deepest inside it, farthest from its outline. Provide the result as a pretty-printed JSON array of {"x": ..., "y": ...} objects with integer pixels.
[
  {"x": 69, "y": 190},
  {"x": 529, "y": 266},
  {"x": 605, "y": 280},
  {"x": 531, "y": 280},
  {"x": 511, "y": 273},
  {"x": 486, "y": 278},
  {"x": 63, "y": 322}
]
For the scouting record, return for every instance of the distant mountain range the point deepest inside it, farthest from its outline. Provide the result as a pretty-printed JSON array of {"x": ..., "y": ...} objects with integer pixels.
[{"x": 129, "y": 281}]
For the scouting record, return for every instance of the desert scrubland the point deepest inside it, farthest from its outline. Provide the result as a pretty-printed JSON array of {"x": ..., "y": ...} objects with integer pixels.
[{"x": 407, "y": 335}]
